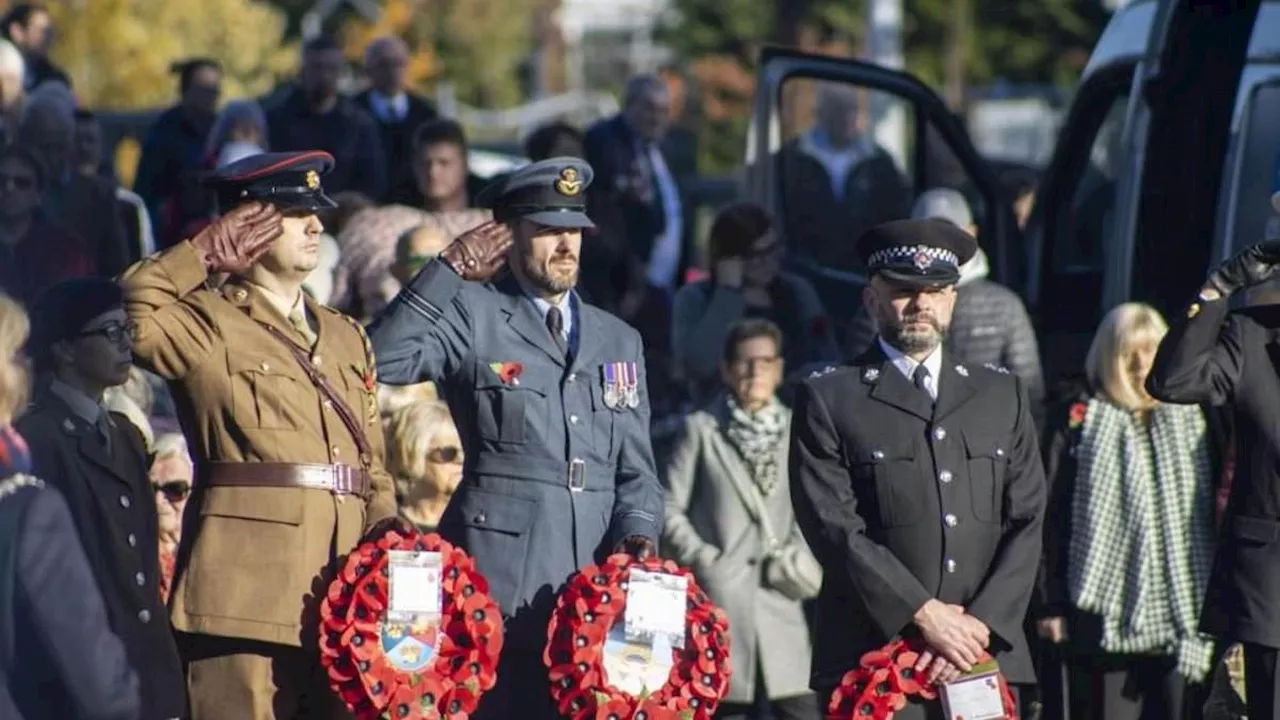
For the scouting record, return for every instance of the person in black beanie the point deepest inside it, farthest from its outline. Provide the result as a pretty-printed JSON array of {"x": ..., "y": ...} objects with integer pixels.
[{"x": 82, "y": 344}]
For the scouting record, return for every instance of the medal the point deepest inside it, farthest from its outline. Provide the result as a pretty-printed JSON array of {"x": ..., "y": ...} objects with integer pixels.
[
  {"x": 612, "y": 386},
  {"x": 631, "y": 384}
]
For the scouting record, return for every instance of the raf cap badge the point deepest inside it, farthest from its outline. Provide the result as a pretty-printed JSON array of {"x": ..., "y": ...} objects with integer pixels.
[
  {"x": 569, "y": 184},
  {"x": 312, "y": 180}
]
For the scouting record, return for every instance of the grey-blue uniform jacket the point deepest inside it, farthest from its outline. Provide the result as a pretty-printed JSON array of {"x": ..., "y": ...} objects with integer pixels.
[{"x": 554, "y": 475}]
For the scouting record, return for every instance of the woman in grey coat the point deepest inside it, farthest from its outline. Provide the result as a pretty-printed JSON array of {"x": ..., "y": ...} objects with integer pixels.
[{"x": 729, "y": 519}]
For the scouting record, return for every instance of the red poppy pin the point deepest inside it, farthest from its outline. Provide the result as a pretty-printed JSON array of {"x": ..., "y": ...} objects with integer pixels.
[
  {"x": 1075, "y": 417},
  {"x": 370, "y": 382},
  {"x": 507, "y": 372}
]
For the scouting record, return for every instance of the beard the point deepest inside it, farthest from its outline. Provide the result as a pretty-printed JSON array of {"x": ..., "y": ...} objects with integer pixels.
[
  {"x": 915, "y": 340},
  {"x": 551, "y": 278}
]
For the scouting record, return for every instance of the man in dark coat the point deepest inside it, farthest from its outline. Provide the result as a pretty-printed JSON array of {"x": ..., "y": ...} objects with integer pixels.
[
  {"x": 551, "y": 401},
  {"x": 917, "y": 480},
  {"x": 398, "y": 113},
  {"x": 81, "y": 345},
  {"x": 1216, "y": 357}
]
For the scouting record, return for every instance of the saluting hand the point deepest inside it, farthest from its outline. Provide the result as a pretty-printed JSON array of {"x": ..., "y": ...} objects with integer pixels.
[
  {"x": 1249, "y": 267},
  {"x": 478, "y": 253},
  {"x": 235, "y": 241},
  {"x": 960, "y": 638}
]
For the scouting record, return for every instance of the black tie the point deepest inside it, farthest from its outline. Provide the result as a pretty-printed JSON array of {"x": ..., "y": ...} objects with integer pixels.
[
  {"x": 918, "y": 378},
  {"x": 555, "y": 323}
]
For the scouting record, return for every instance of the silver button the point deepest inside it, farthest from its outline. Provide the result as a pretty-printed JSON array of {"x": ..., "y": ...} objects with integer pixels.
[
  {"x": 950, "y": 565},
  {"x": 878, "y": 454},
  {"x": 945, "y": 476},
  {"x": 573, "y": 377},
  {"x": 140, "y": 579},
  {"x": 317, "y": 360},
  {"x": 336, "y": 450},
  {"x": 480, "y": 518},
  {"x": 144, "y": 615},
  {"x": 573, "y": 419},
  {"x": 328, "y": 404},
  {"x": 125, "y": 501},
  {"x": 939, "y": 433},
  {"x": 133, "y": 540},
  {"x": 999, "y": 452},
  {"x": 265, "y": 366},
  {"x": 950, "y": 520}
]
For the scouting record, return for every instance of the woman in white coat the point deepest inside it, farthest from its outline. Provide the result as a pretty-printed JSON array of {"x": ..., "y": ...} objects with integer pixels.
[{"x": 729, "y": 519}]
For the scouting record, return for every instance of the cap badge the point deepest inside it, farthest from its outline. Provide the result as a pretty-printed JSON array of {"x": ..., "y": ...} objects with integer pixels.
[
  {"x": 312, "y": 180},
  {"x": 871, "y": 374},
  {"x": 921, "y": 260},
  {"x": 569, "y": 184}
]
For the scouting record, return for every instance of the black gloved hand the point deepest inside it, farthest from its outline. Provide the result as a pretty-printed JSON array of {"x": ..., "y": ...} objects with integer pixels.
[
  {"x": 637, "y": 546},
  {"x": 1249, "y": 267}
]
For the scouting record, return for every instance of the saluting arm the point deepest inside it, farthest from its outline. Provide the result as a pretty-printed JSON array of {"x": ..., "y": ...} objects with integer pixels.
[
  {"x": 1001, "y": 602},
  {"x": 1200, "y": 359},
  {"x": 638, "y": 502},
  {"x": 424, "y": 333},
  {"x": 827, "y": 512},
  {"x": 174, "y": 335}
]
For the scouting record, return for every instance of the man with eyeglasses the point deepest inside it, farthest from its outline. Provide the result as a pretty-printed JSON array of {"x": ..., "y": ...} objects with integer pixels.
[
  {"x": 917, "y": 480},
  {"x": 81, "y": 345}
]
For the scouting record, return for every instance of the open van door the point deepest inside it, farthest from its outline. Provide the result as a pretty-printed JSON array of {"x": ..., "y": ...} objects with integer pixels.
[{"x": 811, "y": 184}]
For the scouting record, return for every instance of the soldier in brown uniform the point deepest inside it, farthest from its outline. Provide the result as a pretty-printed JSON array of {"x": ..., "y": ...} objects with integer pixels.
[{"x": 276, "y": 395}]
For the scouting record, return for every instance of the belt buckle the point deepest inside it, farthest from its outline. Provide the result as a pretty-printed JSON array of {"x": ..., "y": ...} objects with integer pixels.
[
  {"x": 343, "y": 484},
  {"x": 577, "y": 475}
]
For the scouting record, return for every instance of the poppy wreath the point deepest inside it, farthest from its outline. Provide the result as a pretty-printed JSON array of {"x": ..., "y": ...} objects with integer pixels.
[
  {"x": 885, "y": 678},
  {"x": 587, "y": 608},
  {"x": 352, "y": 636}
]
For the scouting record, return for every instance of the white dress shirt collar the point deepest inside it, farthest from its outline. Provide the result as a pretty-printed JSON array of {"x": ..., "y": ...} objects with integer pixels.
[{"x": 907, "y": 366}]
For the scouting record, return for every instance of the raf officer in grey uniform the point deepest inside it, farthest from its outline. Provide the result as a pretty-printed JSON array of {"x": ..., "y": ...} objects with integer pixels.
[
  {"x": 917, "y": 479},
  {"x": 549, "y": 397}
]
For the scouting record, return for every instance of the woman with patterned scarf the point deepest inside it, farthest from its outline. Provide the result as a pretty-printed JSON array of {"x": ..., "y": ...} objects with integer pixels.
[
  {"x": 58, "y": 657},
  {"x": 729, "y": 519},
  {"x": 1128, "y": 555}
]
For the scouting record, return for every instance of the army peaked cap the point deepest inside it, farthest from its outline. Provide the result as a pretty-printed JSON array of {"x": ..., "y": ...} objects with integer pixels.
[
  {"x": 550, "y": 192},
  {"x": 290, "y": 181},
  {"x": 919, "y": 253}
]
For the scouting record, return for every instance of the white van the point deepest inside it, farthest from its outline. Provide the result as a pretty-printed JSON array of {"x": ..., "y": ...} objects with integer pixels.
[{"x": 1164, "y": 166}]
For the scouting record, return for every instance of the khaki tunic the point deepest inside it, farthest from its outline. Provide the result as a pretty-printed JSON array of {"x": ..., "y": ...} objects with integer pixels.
[{"x": 253, "y": 559}]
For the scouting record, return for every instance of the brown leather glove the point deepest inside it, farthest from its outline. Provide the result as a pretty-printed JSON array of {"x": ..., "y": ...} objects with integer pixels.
[
  {"x": 637, "y": 546},
  {"x": 235, "y": 241},
  {"x": 478, "y": 253}
]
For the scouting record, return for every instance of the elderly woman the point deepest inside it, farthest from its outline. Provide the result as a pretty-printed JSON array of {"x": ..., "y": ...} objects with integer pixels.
[
  {"x": 62, "y": 660},
  {"x": 1128, "y": 558},
  {"x": 239, "y": 131},
  {"x": 171, "y": 476},
  {"x": 425, "y": 460},
  {"x": 729, "y": 518}
]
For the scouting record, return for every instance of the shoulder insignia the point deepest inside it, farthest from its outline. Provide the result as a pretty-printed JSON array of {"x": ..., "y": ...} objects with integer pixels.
[
  {"x": 962, "y": 371},
  {"x": 871, "y": 374},
  {"x": 998, "y": 368},
  {"x": 1193, "y": 310},
  {"x": 824, "y": 371}
]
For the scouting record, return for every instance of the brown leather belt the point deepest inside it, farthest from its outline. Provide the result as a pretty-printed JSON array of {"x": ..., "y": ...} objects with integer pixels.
[{"x": 337, "y": 479}]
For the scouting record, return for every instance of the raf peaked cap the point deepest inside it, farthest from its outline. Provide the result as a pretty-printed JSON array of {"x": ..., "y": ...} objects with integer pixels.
[
  {"x": 920, "y": 253},
  {"x": 549, "y": 192},
  {"x": 290, "y": 181}
]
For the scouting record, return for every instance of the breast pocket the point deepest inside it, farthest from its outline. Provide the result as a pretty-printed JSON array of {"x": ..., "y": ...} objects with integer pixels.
[
  {"x": 504, "y": 410},
  {"x": 988, "y": 459},
  {"x": 603, "y": 418},
  {"x": 261, "y": 387},
  {"x": 890, "y": 471}
]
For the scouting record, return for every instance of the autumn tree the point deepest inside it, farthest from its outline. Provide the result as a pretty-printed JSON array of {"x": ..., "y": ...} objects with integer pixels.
[{"x": 118, "y": 52}]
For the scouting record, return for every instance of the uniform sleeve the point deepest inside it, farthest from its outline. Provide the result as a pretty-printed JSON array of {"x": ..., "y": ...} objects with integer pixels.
[
  {"x": 382, "y": 503},
  {"x": 68, "y": 615},
  {"x": 827, "y": 512},
  {"x": 637, "y": 507},
  {"x": 175, "y": 335},
  {"x": 1001, "y": 602},
  {"x": 1200, "y": 359},
  {"x": 680, "y": 540},
  {"x": 425, "y": 331}
]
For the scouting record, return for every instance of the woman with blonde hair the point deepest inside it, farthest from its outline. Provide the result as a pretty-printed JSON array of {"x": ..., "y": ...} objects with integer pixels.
[
  {"x": 425, "y": 459},
  {"x": 1127, "y": 560}
]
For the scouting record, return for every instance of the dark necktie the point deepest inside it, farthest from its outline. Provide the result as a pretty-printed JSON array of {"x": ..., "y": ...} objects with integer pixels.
[
  {"x": 555, "y": 323},
  {"x": 918, "y": 378}
]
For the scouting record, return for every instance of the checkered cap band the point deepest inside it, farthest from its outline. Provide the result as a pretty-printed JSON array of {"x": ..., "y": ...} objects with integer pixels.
[{"x": 889, "y": 255}]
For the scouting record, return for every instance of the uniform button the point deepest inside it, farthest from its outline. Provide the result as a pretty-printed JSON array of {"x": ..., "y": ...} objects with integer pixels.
[
  {"x": 316, "y": 361},
  {"x": 950, "y": 520},
  {"x": 479, "y": 518},
  {"x": 950, "y": 565},
  {"x": 945, "y": 476},
  {"x": 939, "y": 433},
  {"x": 125, "y": 501},
  {"x": 144, "y": 615},
  {"x": 878, "y": 454},
  {"x": 572, "y": 377},
  {"x": 336, "y": 450},
  {"x": 573, "y": 419},
  {"x": 140, "y": 579},
  {"x": 133, "y": 540},
  {"x": 265, "y": 366},
  {"x": 999, "y": 452},
  {"x": 328, "y": 404}
]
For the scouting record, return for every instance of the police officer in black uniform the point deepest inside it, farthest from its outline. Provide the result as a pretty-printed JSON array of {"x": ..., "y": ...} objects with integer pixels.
[
  {"x": 1215, "y": 357},
  {"x": 917, "y": 479}
]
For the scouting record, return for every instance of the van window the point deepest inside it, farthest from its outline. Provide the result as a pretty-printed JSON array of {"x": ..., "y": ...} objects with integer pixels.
[
  {"x": 1087, "y": 229},
  {"x": 1257, "y": 171}
]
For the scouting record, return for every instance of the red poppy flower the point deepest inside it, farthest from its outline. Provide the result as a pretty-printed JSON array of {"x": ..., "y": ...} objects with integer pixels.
[
  {"x": 509, "y": 372},
  {"x": 616, "y": 707},
  {"x": 1077, "y": 414},
  {"x": 577, "y": 702},
  {"x": 370, "y": 383},
  {"x": 657, "y": 712},
  {"x": 405, "y": 703}
]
